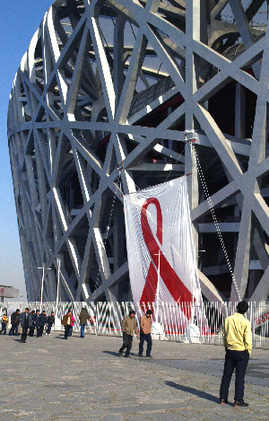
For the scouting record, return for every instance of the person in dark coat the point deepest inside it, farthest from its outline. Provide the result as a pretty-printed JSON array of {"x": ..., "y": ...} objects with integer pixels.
[
  {"x": 37, "y": 316},
  {"x": 26, "y": 323},
  {"x": 83, "y": 318},
  {"x": 50, "y": 322},
  {"x": 15, "y": 321},
  {"x": 40, "y": 323},
  {"x": 32, "y": 328}
]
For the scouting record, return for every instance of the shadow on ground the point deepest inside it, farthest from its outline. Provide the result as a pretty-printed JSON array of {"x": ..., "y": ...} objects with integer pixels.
[
  {"x": 115, "y": 354},
  {"x": 200, "y": 393}
]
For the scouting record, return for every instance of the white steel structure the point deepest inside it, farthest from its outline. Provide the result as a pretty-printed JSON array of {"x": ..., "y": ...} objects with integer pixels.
[{"x": 100, "y": 107}]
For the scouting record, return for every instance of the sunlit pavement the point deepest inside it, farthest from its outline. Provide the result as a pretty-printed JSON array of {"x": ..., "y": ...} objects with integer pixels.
[{"x": 53, "y": 379}]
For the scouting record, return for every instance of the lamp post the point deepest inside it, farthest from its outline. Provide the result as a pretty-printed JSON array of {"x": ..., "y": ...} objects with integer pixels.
[
  {"x": 157, "y": 329},
  {"x": 157, "y": 299},
  {"x": 57, "y": 318},
  {"x": 43, "y": 268},
  {"x": 58, "y": 282}
]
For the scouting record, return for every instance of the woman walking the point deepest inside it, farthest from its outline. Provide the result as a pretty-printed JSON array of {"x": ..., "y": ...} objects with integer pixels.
[{"x": 68, "y": 322}]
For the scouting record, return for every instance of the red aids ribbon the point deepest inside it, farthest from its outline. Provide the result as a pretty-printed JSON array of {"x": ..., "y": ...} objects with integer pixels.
[{"x": 173, "y": 283}]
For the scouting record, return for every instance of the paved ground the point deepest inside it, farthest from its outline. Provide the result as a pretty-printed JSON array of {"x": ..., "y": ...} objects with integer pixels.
[{"x": 50, "y": 379}]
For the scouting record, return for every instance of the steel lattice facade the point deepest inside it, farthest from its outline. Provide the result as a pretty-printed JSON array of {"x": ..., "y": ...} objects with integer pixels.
[{"x": 100, "y": 107}]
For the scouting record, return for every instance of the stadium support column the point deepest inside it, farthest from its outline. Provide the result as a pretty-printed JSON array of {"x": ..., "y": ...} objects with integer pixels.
[
  {"x": 240, "y": 112},
  {"x": 118, "y": 70},
  {"x": 196, "y": 28}
]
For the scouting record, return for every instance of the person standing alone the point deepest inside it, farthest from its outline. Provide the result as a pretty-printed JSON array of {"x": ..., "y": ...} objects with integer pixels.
[
  {"x": 238, "y": 345},
  {"x": 145, "y": 333},
  {"x": 129, "y": 327}
]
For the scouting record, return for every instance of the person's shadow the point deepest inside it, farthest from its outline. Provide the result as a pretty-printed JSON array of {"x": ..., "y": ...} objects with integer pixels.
[
  {"x": 116, "y": 354},
  {"x": 200, "y": 393}
]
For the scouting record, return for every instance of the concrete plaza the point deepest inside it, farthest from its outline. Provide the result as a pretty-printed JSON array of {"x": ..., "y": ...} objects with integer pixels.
[{"x": 50, "y": 379}]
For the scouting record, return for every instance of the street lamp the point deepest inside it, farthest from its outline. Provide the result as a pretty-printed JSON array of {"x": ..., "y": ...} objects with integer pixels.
[
  {"x": 43, "y": 268},
  {"x": 157, "y": 296}
]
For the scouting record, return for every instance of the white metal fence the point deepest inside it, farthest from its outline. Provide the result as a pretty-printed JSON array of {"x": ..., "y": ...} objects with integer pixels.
[{"x": 106, "y": 318}]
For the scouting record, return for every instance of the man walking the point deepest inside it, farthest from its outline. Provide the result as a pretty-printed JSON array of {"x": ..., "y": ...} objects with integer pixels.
[
  {"x": 83, "y": 319},
  {"x": 37, "y": 316},
  {"x": 15, "y": 321},
  {"x": 129, "y": 327},
  {"x": 40, "y": 324},
  {"x": 26, "y": 323},
  {"x": 145, "y": 334},
  {"x": 32, "y": 328},
  {"x": 50, "y": 322},
  {"x": 238, "y": 345}
]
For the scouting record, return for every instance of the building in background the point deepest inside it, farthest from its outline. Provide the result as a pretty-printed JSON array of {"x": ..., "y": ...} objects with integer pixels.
[
  {"x": 107, "y": 100},
  {"x": 7, "y": 291}
]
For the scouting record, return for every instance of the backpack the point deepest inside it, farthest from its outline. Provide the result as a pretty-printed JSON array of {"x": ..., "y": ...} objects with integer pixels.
[{"x": 4, "y": 319}]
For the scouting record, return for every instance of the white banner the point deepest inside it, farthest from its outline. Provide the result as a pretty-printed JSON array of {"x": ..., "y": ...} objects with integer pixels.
[{"x": 160, "y": 245}]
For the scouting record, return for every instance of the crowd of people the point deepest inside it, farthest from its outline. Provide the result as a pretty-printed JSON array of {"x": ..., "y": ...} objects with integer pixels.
[
  {"x": 27, "y": 323},
  {"x": 30, "y": 323}
]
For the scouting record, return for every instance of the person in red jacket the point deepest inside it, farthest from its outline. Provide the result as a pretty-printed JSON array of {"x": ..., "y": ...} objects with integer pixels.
[{"x": 68, "y": 322}]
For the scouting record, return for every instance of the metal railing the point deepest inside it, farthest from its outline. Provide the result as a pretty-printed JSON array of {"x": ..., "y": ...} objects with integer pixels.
[{"x": 204, "y": 325}]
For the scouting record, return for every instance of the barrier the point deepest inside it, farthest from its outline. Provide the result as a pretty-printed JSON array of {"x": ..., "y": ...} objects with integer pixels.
[{"x": 206, "y": 318}]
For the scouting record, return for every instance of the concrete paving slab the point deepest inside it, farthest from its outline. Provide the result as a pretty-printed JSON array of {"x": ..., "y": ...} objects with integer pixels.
[{"x": 49, "y": 379}]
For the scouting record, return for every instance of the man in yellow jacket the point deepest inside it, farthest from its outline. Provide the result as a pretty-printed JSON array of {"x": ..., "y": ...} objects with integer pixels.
[{"x": 238, "y": 345}]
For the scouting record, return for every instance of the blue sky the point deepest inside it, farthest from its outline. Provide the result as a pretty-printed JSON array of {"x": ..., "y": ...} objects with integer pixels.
[{"x": 18, "y": 22}]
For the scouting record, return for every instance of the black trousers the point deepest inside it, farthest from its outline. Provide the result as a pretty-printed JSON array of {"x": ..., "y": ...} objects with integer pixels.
[
  {"x": 49, "y": 326},
  {"x": 145, "y": 337},
  {"x": 67, "y": 330},
  {"x": 127, "y": 343},
  {"x": 237, "y": 360},
  {"x": 14, "y": 330},
  {"x": 32, "y": 331},
  {"x": 4, "y": 328},
  {"x": 39, "y": 331},
  {"x": 24, "y": 334}
]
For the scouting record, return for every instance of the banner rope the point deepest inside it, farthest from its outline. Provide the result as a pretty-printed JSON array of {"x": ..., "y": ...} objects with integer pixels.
[{"x": 191, "y": 141}]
